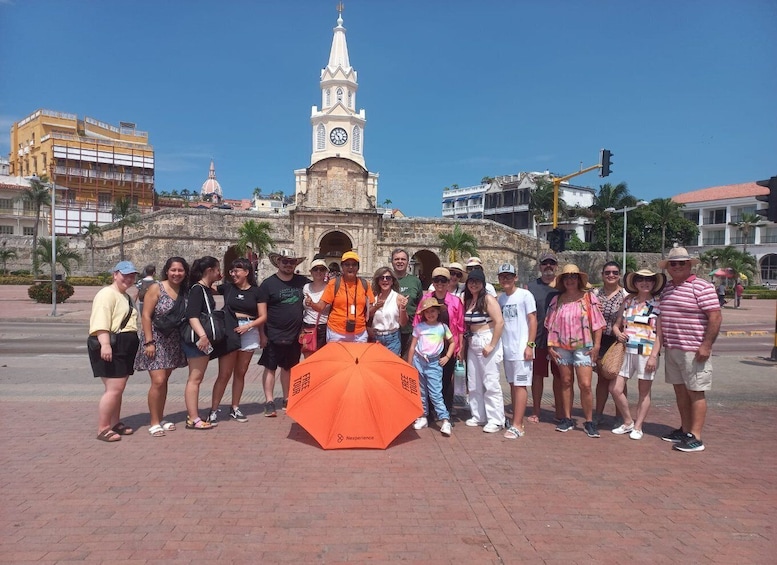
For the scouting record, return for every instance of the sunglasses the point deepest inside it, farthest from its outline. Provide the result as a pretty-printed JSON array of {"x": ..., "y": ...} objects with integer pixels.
[
  {"x": 385, "y": 278},
  {"x": 475, "y": 267},
  {"x": 570, "y": 276},
  {"x": 288, "y": 261},
  {"x": 456, "y": 274},
  {"x": 319, "y": 270},
  {"x": 439, "y": 280},
  {"x": 639, "y": 279},
  {"x": 549, "y": 262},
  {"x": 350, "y": 265},
  {"x": 611, "y": 272},
  {"x": 677, "y": 263}
]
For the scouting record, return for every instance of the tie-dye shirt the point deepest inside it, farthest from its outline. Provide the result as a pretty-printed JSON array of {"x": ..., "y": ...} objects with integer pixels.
[{"x": 431, "y": 339}]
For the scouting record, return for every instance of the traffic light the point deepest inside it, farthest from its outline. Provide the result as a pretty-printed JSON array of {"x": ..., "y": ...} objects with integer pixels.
[
  {"x": 770, "y": 213},
  {"x": 557, "y": 240},
  {"x": 605, "y": 162}
]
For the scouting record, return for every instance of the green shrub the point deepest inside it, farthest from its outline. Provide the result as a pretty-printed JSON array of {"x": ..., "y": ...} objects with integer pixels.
[
  {"x": 41, "y": 292},
  {"x": 87, "y": 281},
  {"x": 22, "y": 272},
  {"x": 16, "y": 279}
]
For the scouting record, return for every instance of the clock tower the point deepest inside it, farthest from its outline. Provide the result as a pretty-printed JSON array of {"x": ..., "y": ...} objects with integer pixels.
[{"x": 337, "y": 176}]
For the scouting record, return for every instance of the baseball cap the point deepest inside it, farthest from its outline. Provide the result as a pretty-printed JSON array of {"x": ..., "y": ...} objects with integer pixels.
[
  {"x": 125, "y": 268},
  {"x": 548, "y": 255},
  {"x": 350, "y": 255},
  {"x": 506, "y": 268},
  {"x": 473, "y": 261}
]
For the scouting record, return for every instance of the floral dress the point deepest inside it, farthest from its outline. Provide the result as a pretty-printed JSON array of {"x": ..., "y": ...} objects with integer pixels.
[{"x": 169, "y": 353}]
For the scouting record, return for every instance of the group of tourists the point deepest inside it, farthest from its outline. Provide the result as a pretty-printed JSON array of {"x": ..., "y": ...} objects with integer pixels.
[{"x": 556, "y": 325}]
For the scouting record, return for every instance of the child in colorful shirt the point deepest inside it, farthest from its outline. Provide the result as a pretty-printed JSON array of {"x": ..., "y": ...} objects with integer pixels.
[{"x": 428, "y": 353}]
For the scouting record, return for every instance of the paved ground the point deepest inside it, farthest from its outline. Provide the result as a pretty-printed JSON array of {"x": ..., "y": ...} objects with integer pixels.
[{"x": 264, "y": 490}]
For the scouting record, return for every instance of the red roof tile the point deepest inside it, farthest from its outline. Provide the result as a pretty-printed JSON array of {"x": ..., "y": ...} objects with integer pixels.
[{"x": 721, "y": 193}]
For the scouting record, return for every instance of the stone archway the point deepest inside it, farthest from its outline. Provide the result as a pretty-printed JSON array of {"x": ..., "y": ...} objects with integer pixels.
[
  {"x": 333, "y": 245},
  {"x": 423, "y": 262}
]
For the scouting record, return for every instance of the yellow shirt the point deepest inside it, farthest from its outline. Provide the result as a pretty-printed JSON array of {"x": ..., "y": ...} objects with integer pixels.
[{"x": 109, "y": 309}]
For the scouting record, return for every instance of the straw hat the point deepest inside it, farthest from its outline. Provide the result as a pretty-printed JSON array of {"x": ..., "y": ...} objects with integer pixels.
[
  {"x": 678, "y": 254},
  {"x": 658, "y": 285},
  {"x": 427, "y": 303},
  {"x": 571, "y": 269},
  {"x": 441, "y": 272},
  {"x": 276, "y": 257}
]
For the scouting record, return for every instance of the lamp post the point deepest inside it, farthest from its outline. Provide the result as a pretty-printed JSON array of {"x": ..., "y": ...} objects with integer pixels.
[
  {"x": 53, "y": 187},
  {"x": 625, "y": 211}
]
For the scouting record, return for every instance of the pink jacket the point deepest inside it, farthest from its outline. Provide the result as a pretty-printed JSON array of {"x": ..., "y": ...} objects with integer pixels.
[{"x": 455, "y": 308}]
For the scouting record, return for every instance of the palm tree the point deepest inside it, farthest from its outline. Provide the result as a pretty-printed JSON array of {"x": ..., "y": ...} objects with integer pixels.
[
  {"x": 5, "y": 255},
  {"x": 257, "y": 192},
  {"x": 38, "y": 195},
  {"x": 91, "y": 231},
  {"x": 65, "y": 256},
  {"x": 729, "y": 258},
  {"x": 458, "y": 242},
  {"x": 255, "y": 235},
  {"x": 125, "y": 214},
  {"x": 746, "y": 224},
  {"x": 387, "y": 202},
  {"x": 609, "y": 196},
  {"x": 666, "y": 211}
]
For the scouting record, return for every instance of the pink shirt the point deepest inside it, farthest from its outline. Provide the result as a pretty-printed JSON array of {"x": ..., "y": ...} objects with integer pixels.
[
  {"x": 684, "y": 311},
  {"x": 571, "y": 324}
]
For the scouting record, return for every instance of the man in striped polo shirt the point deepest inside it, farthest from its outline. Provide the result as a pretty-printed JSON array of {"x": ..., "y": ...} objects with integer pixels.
[{"x": 689, "y": 323}]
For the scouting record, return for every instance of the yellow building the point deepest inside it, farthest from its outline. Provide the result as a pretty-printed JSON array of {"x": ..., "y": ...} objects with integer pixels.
[{"x": 92, "y": 164}]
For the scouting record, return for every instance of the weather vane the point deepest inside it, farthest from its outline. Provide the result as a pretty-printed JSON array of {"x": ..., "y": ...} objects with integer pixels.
[{"x": 340, "y": 8}]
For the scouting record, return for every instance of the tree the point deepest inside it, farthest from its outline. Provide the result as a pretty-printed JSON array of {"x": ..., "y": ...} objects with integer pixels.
[
  {"x": 729, "y": 258},
  {"x": 609, "y": 196},
  {"x": 746, "y": 224},
  {"x": 65, "y": 255},
  {"x": 125, "y": 215},
  {"x": 257, "y": 192},
  {"x": 458, "y": 242},
  {"x": 255, "y": 235},
  {"x": 38, "y": 195},
  {"x": 665, "y": 211},
  {"x": 5, "y": 255},
  {"x": 387, "y": 203},
  {"x": 486, "y": 180},
  {"x": 91, "y": 231}
]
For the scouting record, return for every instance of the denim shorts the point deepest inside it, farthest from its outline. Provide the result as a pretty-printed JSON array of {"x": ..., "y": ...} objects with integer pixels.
[{"x": 576, "y": 357}]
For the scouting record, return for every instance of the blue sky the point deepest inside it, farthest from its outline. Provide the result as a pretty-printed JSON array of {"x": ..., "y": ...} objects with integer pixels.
[{"x": 683, "y": 93}]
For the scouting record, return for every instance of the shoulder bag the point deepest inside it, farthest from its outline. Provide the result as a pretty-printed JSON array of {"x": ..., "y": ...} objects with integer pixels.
[
  {"x": 174, "y": 319},
  {"x": 212, "y": 322},
  {"x": 93, "y": 343}
]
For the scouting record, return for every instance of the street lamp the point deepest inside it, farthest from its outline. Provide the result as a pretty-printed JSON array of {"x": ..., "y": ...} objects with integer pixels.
[
  {"x": 52, "y": 187},
  {"x": 625, "y": 211}
]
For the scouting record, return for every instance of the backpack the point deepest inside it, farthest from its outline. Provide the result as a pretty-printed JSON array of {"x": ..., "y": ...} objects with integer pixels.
[{"x": 142, "y": 286}]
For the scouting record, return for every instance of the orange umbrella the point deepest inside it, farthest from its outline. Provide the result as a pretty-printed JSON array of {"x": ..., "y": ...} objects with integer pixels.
[{"x": 354, "y": 395}]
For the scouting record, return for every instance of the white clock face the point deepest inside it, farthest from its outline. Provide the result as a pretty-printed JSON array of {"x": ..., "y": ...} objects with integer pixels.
[{"x": 338, "y": 136}]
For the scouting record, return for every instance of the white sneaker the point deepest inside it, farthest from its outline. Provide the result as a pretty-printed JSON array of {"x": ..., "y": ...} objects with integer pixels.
[
  {"x": 473, "y": 422},
  {"x": 491, "y": 428},
  {"x": 445, "y": 429},
  {"x": 420, "y": 423},
  {"x": 623, "y": 429},
  {"x": 635, "y": 434}
]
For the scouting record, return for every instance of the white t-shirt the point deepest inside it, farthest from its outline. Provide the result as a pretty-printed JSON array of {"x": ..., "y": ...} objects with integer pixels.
[
  {"x": 515, "y": 310},
  {"x": 387, "y": 317},
  {"x": 309, "y": 315}
]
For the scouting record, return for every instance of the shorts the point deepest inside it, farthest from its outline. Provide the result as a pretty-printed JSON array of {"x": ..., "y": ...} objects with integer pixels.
[
  {"x": 191, "y": 351},
  {"x": 123, "y": 360},
  {"x": 541, "y": 362},
  {"x": 576, "y": 357},
  {"x": 634, "y": 366},
  {"x": 681, "y": 368},
  {"x": 283, "y": 355},
  {"x": 518, "y": 373},
  {"x": 249, "y": 341},
  {"x": 357, "y": 338}
]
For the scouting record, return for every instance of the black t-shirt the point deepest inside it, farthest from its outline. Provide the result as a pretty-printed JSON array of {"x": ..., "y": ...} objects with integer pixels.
[
  {"x": 241, "y": 301},
  {"x": 284, "y": 307},
  {"x": 543, "y": 294},
  {"x": 196, "y": 302}
]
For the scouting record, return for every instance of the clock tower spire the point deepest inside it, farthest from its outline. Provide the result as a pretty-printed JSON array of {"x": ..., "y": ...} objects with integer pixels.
[{"x": 338, "y": 129}]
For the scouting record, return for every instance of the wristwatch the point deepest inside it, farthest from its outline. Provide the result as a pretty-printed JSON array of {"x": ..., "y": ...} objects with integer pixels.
[{"x": 531, "y": 344}]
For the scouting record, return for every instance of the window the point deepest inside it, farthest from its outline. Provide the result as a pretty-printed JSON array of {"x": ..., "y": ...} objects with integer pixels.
[
  {"x": 356, "y": 139},
  {"x": 350, "y": 99},
  {"x": 320, "y": 137},
  {"x": 339, "y": 94},
  {"x": 770, "y": 236},
  {"x": 104, "y": 201},
  {"x": 715, "y": 237},
  {"x": 6, "y": 205},
  {"x": 6, "y": 230},
  {"x": 26, "y": 230},
  {"x": 327, "y": 98},
  {"x": 769, "y": 267},
  {"x": 715, "y": 216},
  {"x": 692, "y": 215}
]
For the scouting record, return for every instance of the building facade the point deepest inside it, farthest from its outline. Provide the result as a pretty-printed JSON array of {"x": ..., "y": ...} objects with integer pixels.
[{"x": 92, "y": 163}]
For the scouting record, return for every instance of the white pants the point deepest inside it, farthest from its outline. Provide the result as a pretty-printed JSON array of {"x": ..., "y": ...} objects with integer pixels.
[{"x": 485, "y": 392}]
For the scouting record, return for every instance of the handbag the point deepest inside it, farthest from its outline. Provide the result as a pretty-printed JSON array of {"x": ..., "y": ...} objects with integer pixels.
[
  {"x": 308, "y": 338},
  {"x": 93, "y": 343},
  {"x": 610, "y": 365},
  {"x": 175, "y": 318},
  {"x": 212, "y": 321}
]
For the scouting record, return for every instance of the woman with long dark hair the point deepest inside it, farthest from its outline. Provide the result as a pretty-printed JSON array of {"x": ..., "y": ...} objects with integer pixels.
[
  {"x": 241, "y": 305},
  {"x": 485, "y": 323},
  {"x": 160, "y": 354},
  {"x": 205, "y": 272},
  {"x": 388, "y": 312}
]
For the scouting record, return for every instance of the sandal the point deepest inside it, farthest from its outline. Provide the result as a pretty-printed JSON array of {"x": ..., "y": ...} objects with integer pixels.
[
  {"x": 534, "y": 419},
  {"x": 198, "y": 424},
  {"x": 167, "y": 426},
  {"x": 122, "y": 429},
  {"x": 109, "y": 436},
  {"x": 156, "y": 431},
  {"x": 513, "y": 433}
]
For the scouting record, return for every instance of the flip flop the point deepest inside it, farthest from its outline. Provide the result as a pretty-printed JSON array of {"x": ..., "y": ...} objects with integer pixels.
[
  {"x": 122, "y": 429},
  {"x": 533, "y": 419},
  {"x": 109, "y": 436},
  {"x": 198, "y": 424},
  {"x": 156, "y": 431},
  {"x": 167, "y": 426}
]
